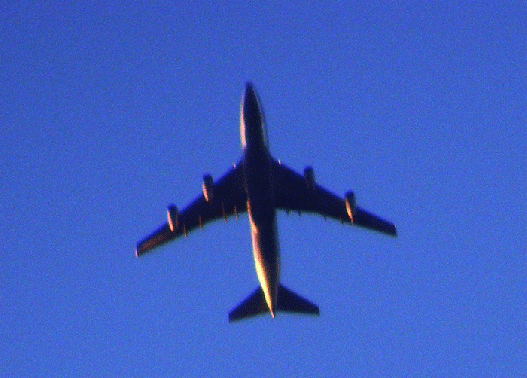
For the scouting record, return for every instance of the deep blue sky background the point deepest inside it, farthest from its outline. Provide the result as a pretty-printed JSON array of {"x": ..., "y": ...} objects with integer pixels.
[{"x": 109, "y": 113}]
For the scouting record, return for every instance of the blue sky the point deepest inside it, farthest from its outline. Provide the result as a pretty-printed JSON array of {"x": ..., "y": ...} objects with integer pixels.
[{"x": 111, "y": 112}]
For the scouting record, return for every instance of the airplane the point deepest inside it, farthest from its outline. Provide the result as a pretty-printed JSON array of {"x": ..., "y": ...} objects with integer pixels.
[{"x": 259, "y": 185}]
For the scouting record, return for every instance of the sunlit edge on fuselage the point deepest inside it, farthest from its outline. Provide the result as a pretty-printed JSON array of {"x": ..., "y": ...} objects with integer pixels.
[{"x": 262, "y": 219}]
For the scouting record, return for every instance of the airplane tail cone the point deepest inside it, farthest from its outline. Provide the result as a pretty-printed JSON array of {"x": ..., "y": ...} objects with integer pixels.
[{"x": 288, "y": 301}]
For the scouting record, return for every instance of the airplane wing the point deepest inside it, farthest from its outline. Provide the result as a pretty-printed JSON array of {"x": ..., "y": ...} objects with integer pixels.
[
  {"x": 229, "y": 198},
  {"x": 293, "y": 194}
]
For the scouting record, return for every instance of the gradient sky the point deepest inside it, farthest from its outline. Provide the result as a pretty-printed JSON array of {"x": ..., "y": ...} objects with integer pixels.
[{"x": 110, "y": 112}]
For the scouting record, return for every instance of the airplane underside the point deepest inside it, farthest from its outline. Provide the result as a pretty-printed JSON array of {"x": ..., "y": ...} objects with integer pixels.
[{"x": 259, "y": 185}]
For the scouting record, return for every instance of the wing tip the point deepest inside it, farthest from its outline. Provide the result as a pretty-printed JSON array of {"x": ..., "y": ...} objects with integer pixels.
[{"x": 140, "y": 251}]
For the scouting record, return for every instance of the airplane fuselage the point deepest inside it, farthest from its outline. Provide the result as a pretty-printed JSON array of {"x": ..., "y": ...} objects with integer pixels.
[{"x": 258, "y": 184}]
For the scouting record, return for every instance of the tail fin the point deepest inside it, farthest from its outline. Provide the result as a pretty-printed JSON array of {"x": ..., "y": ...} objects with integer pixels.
[{"x": 287, "y": 302}]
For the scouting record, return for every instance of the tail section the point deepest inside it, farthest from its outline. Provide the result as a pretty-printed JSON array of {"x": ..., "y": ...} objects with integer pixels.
[
  {"x": 292, "y": 302},
  {"x": 254, "y": 305},
  {"x": 287, "y": 301}
]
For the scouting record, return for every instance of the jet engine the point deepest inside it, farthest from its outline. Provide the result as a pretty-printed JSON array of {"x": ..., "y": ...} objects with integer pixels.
[
  {"x": 309, "y": 176},
  {"x": 172, "y": 217},
  {"x": 349, "y": 198},
  {"x": 207, "y": 187}
]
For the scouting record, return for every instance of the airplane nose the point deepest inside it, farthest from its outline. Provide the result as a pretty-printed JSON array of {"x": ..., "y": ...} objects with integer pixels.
[
  {"x": 250, "y": 94},
  {"x": 249, "y": 87},
  {"x": 250, "y": 102},
  {"x": 252, "y": 128}
]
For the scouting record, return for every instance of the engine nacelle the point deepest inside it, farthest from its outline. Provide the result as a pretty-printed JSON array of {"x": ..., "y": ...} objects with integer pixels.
[
  {"x": 207, "y": 187},
  {"x": 309, "y": 176},
  {"x": 172, "y": 217},
  {"x": 349, "y": 198}
]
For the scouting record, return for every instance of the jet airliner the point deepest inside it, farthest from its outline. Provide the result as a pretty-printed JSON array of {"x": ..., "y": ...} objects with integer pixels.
[{"x": 259, "y": 185}]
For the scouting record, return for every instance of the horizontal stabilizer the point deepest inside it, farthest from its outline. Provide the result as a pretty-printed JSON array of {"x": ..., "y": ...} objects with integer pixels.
[
  {"x": 291, "y": 302},
  {"x": 287, "y": 301},
  {"x": 254, "y": 305}
]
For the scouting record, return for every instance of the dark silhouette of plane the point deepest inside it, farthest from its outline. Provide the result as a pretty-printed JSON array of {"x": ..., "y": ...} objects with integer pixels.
[{"x": 261, "y": 185}]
